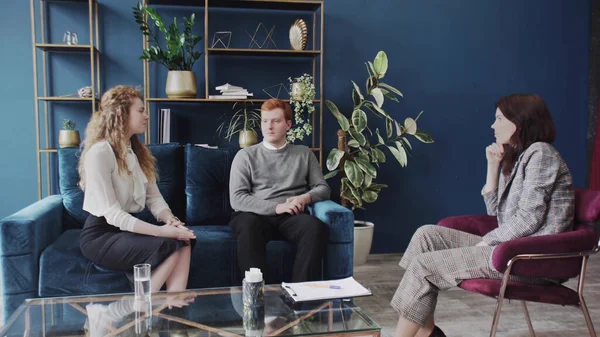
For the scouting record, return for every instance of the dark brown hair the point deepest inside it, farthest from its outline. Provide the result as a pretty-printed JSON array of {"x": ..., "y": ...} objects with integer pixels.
[
  {"x": 534, "y": 124},
  {"x": 276, "y": 103}
]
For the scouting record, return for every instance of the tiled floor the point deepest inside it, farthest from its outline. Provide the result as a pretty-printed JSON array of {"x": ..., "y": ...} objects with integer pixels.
[{"x": 463, "y": 314}]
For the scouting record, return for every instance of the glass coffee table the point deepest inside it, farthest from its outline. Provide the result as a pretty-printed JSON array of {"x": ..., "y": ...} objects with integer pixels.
[{"x": 203, "y": 312}]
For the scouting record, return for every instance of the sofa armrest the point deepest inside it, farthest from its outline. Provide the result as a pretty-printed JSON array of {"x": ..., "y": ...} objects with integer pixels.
[
  {"x": 23, "y": 237},
  {"x": 529, "y": 252},
  {"x": 339, "y": 254},
  {"x": 473, "y": 224}
]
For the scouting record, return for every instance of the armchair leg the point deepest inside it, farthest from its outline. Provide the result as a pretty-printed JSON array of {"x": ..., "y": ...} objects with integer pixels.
[
  {"x": 588, "y": 319},
  {"x": 528, "y": 319},
  {"x": 496, "y": 319}
]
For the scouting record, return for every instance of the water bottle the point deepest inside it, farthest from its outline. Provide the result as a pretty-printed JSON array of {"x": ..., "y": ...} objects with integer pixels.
[{"x": 254, "y": 302}]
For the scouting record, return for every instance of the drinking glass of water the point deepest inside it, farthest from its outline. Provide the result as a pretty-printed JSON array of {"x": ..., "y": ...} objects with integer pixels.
[{"x": 141, "y": 280}]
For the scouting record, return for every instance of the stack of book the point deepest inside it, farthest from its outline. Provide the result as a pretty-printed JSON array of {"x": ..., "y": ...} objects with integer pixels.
[{"x": 229, "y": 91}]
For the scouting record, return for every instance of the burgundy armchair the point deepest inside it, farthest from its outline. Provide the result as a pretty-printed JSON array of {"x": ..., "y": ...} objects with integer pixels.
[{"x": 558, "y": 256}]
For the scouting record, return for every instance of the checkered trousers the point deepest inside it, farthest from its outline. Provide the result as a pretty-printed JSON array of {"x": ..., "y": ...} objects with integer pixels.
[{"x": 439, "y": 258}]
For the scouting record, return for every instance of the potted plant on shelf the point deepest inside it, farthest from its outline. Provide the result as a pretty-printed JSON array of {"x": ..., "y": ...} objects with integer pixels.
[
  {"x": 178, "y": 56},
  {"x": 243, "y": 121},
  {"x": 302, "y": 96},
  {"x": 360, "y": 151},
  {"x": 68, "y": 136}
]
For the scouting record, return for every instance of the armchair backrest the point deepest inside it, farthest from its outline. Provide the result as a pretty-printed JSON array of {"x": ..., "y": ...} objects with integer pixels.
[{"x": 587, "y": 209}]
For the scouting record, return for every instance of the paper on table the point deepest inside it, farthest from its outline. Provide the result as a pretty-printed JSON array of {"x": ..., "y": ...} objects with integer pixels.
[{"x": 322, "y": 290}]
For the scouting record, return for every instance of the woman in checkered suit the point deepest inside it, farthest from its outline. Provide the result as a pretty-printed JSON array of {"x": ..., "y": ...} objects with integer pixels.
[{"x": 533, "y": 196}]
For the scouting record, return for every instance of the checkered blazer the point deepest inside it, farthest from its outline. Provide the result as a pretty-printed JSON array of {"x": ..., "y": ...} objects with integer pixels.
[{"x": 536, "y": 199}]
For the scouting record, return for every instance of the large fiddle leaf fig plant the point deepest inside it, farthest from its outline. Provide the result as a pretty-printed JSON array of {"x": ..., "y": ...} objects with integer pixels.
[{"x": 362, "y": 150}]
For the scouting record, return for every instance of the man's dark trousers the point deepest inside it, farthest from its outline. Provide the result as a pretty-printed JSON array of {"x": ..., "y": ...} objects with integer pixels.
[{"x": 253, "y": 231}]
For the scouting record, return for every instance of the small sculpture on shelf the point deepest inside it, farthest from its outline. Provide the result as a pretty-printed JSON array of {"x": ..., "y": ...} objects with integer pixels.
[
  {"x": 85, "y": 92},
  {"x": 68, "y": 136},
  {"x": 70, "y": 38},
  {"x": 298, "y": 35},
  {"x": 268, "y": 38},
  {"x": 219, "y": 37},
  {"x": 279, "y": 87}
]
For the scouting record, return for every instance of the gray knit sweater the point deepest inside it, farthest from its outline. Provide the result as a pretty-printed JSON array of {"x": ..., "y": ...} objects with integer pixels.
[{"x": 262, "y": 178}]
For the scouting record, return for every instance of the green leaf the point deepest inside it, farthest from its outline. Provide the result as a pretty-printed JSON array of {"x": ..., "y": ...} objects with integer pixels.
[
  {"x": 381, "y": 111},
  {"x": 334, "y": 158},
  {"x": 369, "y": 196},
  {"x": 368, "y": 181},
  {"x": 407, "y": 142},
  {"x": 353, "y": 143},
  {"x": 418, "y": 116},
  {"x": 399, "y": 154},
  {"x": 379, "y": 155},
  {"x": 410, "y": 125},
  {"x": 423, "y": 137},
  {"x": 347, "y": 191},
  {"x": 359, "y": 137},
  {"x": 373, "y": 69},
  {"x": 331, "y": 174},
  {"x": 376, "y": 187},
  {"x": 379, "y": 139},
  {"x": 378, "y": 95},
  {"x": 389, "y": 95},
  {"x": 388, "y": 128},
  {"x": 358, "y": 91},
  {"x": 342, "y": 120},
  {"x": 398, "y": 129},
  {"x": 366, "y": 166},
  {"x": 381, "y": 64},
  {"x": 392, "y": 89},
  {"x": 359, "y": 120},
  {"x": 356, "y": 99},
  {"x": 354, "y": 174}
]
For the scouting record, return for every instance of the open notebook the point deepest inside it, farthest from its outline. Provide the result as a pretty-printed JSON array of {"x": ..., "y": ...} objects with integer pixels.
[{"x": 324, "y": 290}]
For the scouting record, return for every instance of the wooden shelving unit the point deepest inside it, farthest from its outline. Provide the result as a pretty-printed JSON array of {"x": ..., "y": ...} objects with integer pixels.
[
  {"x": 315, "y": 52},
  {"x": 41, "y": 45}
]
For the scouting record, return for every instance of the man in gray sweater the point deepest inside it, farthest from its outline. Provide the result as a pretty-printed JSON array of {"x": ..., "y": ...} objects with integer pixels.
[{"x": 270, "y": 185}]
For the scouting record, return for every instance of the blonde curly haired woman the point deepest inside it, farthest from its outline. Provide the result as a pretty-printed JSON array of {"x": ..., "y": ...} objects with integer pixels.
[{"x": 118, "y": 176}]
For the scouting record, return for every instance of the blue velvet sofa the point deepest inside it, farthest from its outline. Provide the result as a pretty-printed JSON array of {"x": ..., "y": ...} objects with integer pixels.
[{"x": 39, "y": 245}]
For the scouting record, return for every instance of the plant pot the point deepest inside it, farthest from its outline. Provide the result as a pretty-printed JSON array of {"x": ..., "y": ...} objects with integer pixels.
[
  {"x": 68, "y": 138},
  {"x": 297, "y": 92},
  {"x": 363, "y": 237},
  {"x": 181, "y": 84},
  {"x": 248, "y": 138}
]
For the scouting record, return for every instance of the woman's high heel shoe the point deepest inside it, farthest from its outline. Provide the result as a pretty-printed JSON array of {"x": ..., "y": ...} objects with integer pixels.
[{"x": 437, "y": 332}]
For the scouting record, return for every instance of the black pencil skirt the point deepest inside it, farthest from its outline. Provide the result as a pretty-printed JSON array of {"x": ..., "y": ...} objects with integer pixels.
[{"x": 110, "y": 247}]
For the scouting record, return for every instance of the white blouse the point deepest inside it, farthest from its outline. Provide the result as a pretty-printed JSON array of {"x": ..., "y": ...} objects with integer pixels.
[{"x": 115, "y": 195}]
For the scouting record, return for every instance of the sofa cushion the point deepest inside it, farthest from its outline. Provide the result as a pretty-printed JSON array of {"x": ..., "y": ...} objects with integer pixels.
[
  {"x": 213, "y": 264},
  {"x": 169, "y": 159},
  {"x": 65, "y": 271},
  {"x": 207, "y": 185},
  {"x": 214, "y": 259}
]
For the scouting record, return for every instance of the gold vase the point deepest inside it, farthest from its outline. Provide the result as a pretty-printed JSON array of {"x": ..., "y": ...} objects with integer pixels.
[
  {"x": 181, "y": 84},
  {"x": 68, "y": 138},
  {"x": 248, "y": 138}
]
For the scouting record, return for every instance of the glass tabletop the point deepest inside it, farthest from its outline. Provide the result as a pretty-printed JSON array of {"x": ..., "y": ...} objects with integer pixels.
[{"x": 203, "y": 312}]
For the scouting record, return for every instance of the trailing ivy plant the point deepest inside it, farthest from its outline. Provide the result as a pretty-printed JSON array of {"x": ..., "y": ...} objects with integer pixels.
[
  {"x": 304, "y": 101},
  {"x": 179, "y": 53},
  {"x": 359, "y": 160}
]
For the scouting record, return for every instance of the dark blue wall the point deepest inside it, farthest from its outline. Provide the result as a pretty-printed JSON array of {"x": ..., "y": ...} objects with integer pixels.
[{"x": 452, "y": 59}]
